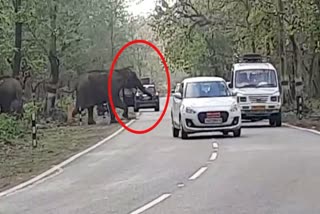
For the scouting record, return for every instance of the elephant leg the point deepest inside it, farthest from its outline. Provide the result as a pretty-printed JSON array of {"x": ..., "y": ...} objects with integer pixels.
[
  {"x": 112, "y": 116},
  {"x": 90, "y": 116},
  {"x": 118, "y": 103}
]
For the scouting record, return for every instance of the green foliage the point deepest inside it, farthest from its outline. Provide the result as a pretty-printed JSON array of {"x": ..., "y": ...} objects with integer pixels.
[
  {"x": 10, "y": 128},
  {"x": 201, "y": 36}
]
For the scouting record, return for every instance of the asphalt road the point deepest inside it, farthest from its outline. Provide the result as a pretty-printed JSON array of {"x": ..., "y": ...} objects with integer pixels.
[{"x": 267, "y": 170}]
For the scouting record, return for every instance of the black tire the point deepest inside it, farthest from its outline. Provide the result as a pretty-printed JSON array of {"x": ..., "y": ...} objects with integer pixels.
[
  {"x": 272, "y": 121},
  {"x": 157, "y": 108},
  {"x": 278, "y": 120},
  {"x": 237, "y": 133},
  {"x": 184, "y": 135},
  {"x": 175, "y": 132}
]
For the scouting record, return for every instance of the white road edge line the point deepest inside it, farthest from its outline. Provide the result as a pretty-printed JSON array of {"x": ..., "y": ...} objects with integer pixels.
[
  {"x": 61, "y": 165},
  {"x": 151, "y": 204},
  {"x": 302, "y": 129},
  {"x": 213, "y": 156},
  {"x": 198, "y": 173}
]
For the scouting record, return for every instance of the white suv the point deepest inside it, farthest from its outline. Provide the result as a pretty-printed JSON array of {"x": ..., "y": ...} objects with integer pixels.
[
  {"x": 205, "y": 104},
  {"x": 256, "y": 83}
]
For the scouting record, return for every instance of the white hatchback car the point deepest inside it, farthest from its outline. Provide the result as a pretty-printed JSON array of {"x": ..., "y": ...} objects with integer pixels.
[{"x": 205, "y": 104}]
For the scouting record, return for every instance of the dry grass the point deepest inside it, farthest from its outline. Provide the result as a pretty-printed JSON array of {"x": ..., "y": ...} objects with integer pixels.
[{"x": 19, "y": 162}]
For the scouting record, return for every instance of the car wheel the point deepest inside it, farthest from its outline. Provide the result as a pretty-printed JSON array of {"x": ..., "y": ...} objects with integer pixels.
[
  {"x": 157, "y": 108},
  {"x": 184, "y": 134},
  {"x": 135, "y": 108},
  {"x": 175, "y": 132},
  {"x": 272, "y": 121},
  {"x": 278, "y": 120},
  {"x": 237, "y": 133}
]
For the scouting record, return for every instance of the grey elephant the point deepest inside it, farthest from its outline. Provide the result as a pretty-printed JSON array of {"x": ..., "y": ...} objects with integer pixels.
[
  {"x": 92, "y": 90},
  {"x": 11, "y": 95}
]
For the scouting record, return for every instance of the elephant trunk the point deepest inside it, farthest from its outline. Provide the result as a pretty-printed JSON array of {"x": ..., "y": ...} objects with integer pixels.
[{"x": 140, "y": 86}]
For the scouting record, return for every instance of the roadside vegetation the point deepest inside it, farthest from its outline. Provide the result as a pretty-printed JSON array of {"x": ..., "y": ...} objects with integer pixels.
[
  {"x": 46, "y": 45},
  {"x": 202, "y": 38}
]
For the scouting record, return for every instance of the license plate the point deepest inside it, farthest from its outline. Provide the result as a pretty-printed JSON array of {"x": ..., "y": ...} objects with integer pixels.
[
  {"x": 258, "y": 108},
  {"x": 213, "y": 120}
]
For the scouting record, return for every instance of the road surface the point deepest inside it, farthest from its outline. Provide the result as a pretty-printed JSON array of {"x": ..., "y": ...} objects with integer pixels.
[{"x": 267, "y": 170}]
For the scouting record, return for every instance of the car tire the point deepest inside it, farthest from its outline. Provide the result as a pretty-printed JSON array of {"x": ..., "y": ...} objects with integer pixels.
[
  {"x": 272, "y": 121},
  {"x": 278, "y": 120},
  {"x": 157, "y": 107},
  {"x": 237, "y": 133},
  {"x": 175, "y": 132},
  {"x": 184, "y": 134}
]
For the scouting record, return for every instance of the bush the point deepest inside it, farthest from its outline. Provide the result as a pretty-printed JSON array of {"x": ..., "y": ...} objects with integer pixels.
[{"x": 10, "y": 128}]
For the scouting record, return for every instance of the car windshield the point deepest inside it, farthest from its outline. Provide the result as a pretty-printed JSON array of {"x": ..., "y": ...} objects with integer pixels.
[
  {"x": 206, "y": 89},
  {"x": 255, "y": 78}
]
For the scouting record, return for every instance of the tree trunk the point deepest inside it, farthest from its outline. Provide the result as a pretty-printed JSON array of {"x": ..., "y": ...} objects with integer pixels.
[
  {"x": 294, "y": 67},
  {"x": 53, "y": 59},
  {"x": 112, "y": 35},
  {"x": 282, "y": 50},
  {"x": 18, "y": 41}
]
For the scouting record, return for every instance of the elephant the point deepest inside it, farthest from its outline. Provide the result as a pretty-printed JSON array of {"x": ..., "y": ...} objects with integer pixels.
[
  {"x": 92, "y": 90},
  {"x": 11, "y": 95}
]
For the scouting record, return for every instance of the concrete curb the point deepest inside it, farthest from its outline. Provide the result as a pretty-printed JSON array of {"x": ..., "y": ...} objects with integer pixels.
[
  {"x": 302, "y": 129},
  {"x": 58, "y": 167}
]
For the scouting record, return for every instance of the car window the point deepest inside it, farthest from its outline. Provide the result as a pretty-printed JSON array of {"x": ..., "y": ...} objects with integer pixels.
[
  {"x": 207, "y": 89},
  {"x": 255, "y": 78}
]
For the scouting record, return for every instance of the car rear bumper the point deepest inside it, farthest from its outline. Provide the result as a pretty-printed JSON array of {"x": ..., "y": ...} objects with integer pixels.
[{"x": 146, "y": 103}]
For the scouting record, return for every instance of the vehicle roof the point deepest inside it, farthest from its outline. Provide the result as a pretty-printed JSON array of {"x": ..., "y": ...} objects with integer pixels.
[
  {"x": 202, "y": 79},
  {"x": 245, "y": 66}
]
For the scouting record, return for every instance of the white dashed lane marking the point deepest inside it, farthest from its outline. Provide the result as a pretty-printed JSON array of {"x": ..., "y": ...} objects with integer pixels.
[
  {"x": 215, "y": 145},
  {"x": 198, "y": 173},
  {"x": 213, "y": 156},
  {"x": 151, "y": 204}
]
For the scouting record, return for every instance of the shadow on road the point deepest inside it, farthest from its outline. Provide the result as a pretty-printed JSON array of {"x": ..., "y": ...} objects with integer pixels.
[
  {"x": 256, "y": 126},
  {"x": 213, "y": 136}
]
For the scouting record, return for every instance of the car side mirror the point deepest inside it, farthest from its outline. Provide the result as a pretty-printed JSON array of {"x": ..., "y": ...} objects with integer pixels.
[
  {"x": 177, "y": 95},
  {"x": 230, "y": 85}
]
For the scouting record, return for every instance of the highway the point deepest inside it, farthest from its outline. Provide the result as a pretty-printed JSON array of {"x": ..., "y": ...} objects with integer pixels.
[{"x": 266, "y": 170}]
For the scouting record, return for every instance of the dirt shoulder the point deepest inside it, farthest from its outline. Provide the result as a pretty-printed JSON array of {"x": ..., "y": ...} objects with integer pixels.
[
  {"x": 19, "y": 162},
  {"x": 307, "y": 122}
]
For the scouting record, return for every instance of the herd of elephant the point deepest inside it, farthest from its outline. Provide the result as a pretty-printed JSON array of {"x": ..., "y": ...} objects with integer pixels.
[{"x": 91, "y": 90}]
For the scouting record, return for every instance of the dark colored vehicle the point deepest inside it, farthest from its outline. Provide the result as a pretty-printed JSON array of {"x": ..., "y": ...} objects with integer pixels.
[{"x": 142, "y": 101}]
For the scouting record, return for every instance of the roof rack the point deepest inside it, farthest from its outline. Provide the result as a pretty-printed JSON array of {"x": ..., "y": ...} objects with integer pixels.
[{"x": 252, "y": 58}]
